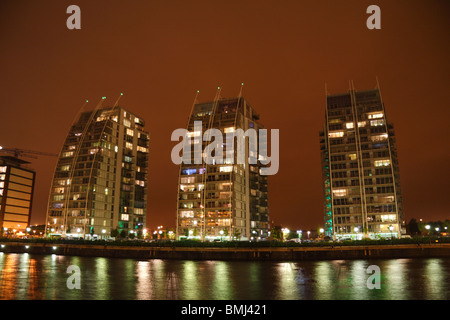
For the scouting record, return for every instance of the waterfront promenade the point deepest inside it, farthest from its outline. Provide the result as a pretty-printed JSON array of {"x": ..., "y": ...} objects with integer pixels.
[{"x": 292, "y": 253}]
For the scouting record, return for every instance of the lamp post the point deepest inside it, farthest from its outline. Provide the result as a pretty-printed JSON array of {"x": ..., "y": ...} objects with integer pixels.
[{"x": 428, "y": 232}]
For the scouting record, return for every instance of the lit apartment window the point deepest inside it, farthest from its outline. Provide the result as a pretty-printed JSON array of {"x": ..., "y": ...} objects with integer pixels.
[
  {"x": 349, "y": 125},
  {"x": 336, "y": 134},
  {"x": 229, "y": 130},
  {"x": 340, "y": 192},
  {"x": 2, "y": 184},
  {"x": 194, "y": 134},
  {"x": 71, "y": 147},
  {"x": 352, "y": 156},
  {"x": 67, "y": 154},
  {"x": 388, "y": 217},
  {"x": 129, "y": 145},
  {"x": 189, "y": 171},
  {"x": 375, "y": 116},
  {"x": 139, "y": 211},
  {"x": 226, "y": 169},
  {"x": 116, "y": 148},
  {"x": 2, "y": 177},
  {"x": 125, "y": 217},
  {"x": 126, "y": 123},
  {"x": 140, "y": 183},
  {"x": 382, "y": 163},
  {"x": 376, "y": 123},
  {"x": 130, "y": 132},
  {"x": 142, "y": 149},
  {"x": 362, "y": 124},
  {"x": 186, "y": 214},
  {"x": 380, "y": 137},
  {"x": 65, "y": 168}
]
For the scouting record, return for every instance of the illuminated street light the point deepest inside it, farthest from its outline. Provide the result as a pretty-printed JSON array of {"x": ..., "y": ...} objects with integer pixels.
[{"x": 427, "y": 227}]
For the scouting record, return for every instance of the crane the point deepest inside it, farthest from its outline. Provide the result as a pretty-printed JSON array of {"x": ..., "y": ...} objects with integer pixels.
[{"x": 26, "y": 153}]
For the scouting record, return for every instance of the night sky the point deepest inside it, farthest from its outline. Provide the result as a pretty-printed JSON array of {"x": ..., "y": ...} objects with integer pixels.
[{"x": 159, "y": 53}]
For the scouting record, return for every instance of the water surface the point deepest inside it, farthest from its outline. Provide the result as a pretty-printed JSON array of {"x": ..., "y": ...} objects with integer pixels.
[{"x": 27, "y": 276}]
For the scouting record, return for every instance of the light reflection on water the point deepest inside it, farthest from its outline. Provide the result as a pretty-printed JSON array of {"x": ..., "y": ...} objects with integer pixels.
[{"x": 25, "y": 276}]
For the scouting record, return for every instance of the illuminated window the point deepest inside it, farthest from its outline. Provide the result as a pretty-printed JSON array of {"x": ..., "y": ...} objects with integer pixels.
[
  {"x": 116, "y": 148},
  {"x": 226, "y": 169},
  {"x": 229, "y": 129},
  {"x": 65, "y": 168},
  {"x": 349, "y": 125},
  {"x": 340, "y": 192},
  {"x": 352, "y": 156},
  {"x": 379, "y": 137},
  {"x": 189, "y": 171},
  {"x": 2, "y": 177},
  {"x": 336, "y": 134},
  {"x": 382, "y": 163},
  {"x": 139, "y": 211},
  {"x": 187, "y": 180},
  {"x": 126, "y": 123},
  {"x": 124, "y": 217},
  {"x": 130, "y": 132},
  {"x": 2, "y": 184},
  {"x": 106, "y": 191},
  {"x": 362, "y": 124},
  {"x": 127, "y": 159},
  {"x": 375, "y": 116},
  {"x": 71, "y": 147},
  {"x": 186, "y": 214},
  {"x": 376, "y": 123},
  {"x": 59, "y": 190},
  {"x": 140, "y": 183},
  {"x": 194, "y": 134},
  {"x": 67, "y": 154},
  {"x": 142, "y": 149}
]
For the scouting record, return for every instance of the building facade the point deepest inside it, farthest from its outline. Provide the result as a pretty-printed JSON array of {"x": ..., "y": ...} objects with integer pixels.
[
  {"x": 99, "y": 187},
  {"x": 16, "y": 194},
  {"x": 228, "y": 200},
  {"x": 360, "y": 168}
]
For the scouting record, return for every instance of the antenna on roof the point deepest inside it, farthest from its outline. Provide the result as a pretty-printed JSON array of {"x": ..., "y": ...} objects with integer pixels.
[{"x": 117, "y": 101}]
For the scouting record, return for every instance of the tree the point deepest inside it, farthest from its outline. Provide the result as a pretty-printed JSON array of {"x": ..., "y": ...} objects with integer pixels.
[
  {"x": 115, "y": 233},
  {"x": 237, "y": 234},
  {"x": 123, "y": 234},
  {"x": 412, "y": 227}
]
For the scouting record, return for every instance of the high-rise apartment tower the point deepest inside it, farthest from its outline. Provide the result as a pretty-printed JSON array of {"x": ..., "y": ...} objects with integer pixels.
[
  {"x": 225, "y": 201},
  {"x": 100, "y": 182},
  {"x": 360, "y": 168}
]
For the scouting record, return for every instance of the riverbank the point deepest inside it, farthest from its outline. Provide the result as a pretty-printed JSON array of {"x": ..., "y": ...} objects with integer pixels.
[{"x": 332, "y": 252}]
